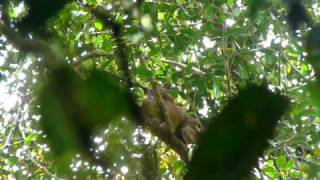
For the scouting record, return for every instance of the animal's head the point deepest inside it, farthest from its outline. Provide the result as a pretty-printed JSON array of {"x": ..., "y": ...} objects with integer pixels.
[
  {"x": 196, "y": 125},
  {"x": 192, "y": 130}
]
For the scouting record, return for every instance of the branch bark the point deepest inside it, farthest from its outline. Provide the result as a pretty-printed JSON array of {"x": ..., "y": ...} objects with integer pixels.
[{"x": 172, "y": 141}]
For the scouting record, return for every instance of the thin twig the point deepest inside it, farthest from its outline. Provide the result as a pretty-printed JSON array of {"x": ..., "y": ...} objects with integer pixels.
[
  {"x": 43, "y": 168},
  {"x": 181, "y": 65},
  {"x": 94, "y": 54}
]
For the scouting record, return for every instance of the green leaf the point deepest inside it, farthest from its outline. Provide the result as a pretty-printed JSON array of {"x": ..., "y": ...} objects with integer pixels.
[
  {"x": 101, "y": 98},
  {"x": 55, "y": 115},
  {"x": 281, "y": 162},
  {"x": 30, "y": 138},
  {"x": 290, "y": 164},
  {"x": 97, "y": 41},
  {"x": 304, "y": 69},
  {"x": 144, "y": 73},
  {"x": 107, "y": 45},
  {"x": 314, "y": 88},
  {"x": 269, "y": 169},
  {"x": 296, "y": 174},
  {"x": 161, "y": 15},
  {"x": 313, "y": 48},
  {"x": 230, "y": 3},
  {"x": 178, "y": 165},
  {"x": 98, "y": 25},
  {"x": 12, "y": 160},
  {"x": 255, "y": 6},
  {"x": 72, "y": 107},
  {"x": 208, "y": 12}
]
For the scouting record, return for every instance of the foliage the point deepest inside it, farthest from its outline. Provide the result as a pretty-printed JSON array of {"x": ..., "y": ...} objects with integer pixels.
[
  {"x": 206, "y": 51},
  {"x": 240, "y": 135}
]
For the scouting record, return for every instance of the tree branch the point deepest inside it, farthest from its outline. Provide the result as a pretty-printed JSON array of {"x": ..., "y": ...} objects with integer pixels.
[
  {"x": 181, "y": 65},
  {"x": 90, "y": 55},
  {"x": 170, "y": 140},
  {"x": 162, "y": 132}
]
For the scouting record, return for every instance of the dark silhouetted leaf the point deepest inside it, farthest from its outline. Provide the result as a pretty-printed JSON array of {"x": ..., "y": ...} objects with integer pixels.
[
  {"x": 56, "y": 112},
  {"x": 72, "y": 107},
  {"x": 313, "y": 49},
  {"x": 102, "y": 98},
  {"x": 144, "y": 73},
  {"x": 314, "y": 88},
  {"x": 237, "y": 137},
  {"x": 297, "y": 14},
  {"x": 255, "y": 5},
  {"x": 39, "y": 13}
]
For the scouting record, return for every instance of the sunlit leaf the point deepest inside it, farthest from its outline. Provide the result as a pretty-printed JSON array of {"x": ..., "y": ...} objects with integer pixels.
[
  {"x": 98, "y": 25},
  {"x": 281, "y": 161},
  {"x": 231, "y": 3}
]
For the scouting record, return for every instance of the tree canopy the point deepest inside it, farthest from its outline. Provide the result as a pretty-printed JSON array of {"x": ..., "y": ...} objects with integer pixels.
[{"x": 74, "y": 76}]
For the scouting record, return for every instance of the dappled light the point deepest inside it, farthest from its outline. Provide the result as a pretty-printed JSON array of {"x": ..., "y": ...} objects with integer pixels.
[{"x": 125, "y": 89}]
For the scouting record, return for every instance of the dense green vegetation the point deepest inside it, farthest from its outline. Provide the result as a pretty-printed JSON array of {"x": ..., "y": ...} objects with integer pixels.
[{"x": 73, "y": 76}]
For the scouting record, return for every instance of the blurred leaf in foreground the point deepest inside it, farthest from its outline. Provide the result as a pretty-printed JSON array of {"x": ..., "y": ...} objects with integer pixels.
[
  {"x": 237, "y": 137},
  {"x": 255, "y": 6},
  {"x": 314, "y": 88},
  {"x": 39, "y": 13},
  {"x": 313, "y": 49},
  {"x": 71, "y": 108},
  {"x": 297, "y": 14}
]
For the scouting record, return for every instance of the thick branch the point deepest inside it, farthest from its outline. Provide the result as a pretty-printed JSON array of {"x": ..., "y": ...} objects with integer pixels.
[{"x": 172, "y": 141}]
